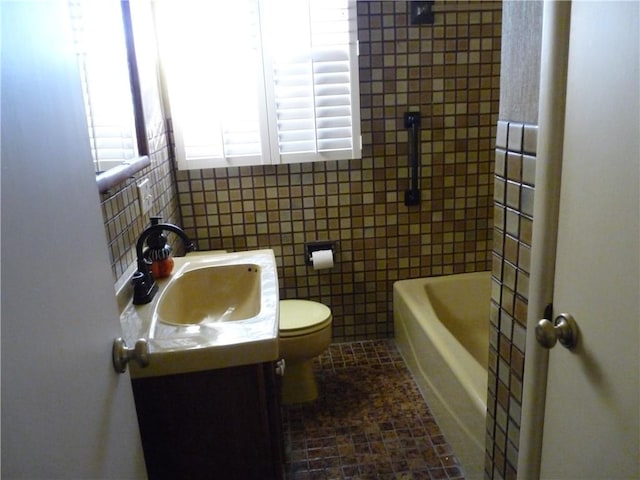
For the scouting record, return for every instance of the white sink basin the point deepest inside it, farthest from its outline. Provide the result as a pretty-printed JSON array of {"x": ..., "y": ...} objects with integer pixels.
[{"x": 216, "y": 310}]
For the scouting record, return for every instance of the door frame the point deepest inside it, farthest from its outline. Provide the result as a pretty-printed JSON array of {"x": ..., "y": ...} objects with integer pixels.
[{"x": 551, "y": 113}]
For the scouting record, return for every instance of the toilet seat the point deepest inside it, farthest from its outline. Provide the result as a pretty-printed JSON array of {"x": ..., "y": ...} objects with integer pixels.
[{"x": 302, "y": 317}]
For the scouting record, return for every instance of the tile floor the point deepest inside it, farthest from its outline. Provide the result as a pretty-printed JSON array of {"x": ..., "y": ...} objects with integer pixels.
[{"x": 369, "y": 422}]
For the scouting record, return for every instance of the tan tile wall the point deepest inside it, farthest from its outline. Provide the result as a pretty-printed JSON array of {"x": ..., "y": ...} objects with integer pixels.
[
  {"x": 513, "y": 223},
  {"x": 120, "y": 208},
  {"x": 450, "y": 73}
]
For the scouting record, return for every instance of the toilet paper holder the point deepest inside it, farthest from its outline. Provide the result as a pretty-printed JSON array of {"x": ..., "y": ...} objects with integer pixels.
[{"x": 311, "y": 247}]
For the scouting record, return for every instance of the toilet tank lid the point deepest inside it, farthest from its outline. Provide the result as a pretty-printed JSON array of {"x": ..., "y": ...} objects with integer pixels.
[{"x": 298, "y": 314}]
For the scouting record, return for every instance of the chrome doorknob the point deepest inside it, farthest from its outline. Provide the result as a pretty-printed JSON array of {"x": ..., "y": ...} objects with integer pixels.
[
  {"x": 564, "y": 329},
  {"x": 121, "y": 355}
]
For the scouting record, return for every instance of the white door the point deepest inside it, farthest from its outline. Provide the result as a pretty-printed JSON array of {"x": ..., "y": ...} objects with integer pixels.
[
  {"x": 65, "y": 413},
  {"x": 591, "y": 425}
]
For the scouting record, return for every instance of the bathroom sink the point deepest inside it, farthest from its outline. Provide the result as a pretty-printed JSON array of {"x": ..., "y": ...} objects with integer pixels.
[
  {"x": 217, "y": 310},
  {"x": 220, "y": 293}
]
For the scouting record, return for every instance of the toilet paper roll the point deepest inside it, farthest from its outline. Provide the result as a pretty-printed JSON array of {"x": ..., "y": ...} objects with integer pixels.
[{"x": 322, "y": 259}]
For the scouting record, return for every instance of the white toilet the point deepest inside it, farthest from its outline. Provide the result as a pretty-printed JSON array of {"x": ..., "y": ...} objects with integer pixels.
[{"x": 305, "y": 332}]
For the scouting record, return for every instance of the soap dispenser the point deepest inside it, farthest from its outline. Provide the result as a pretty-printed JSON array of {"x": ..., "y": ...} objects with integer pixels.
[{"x": 159, "y": 252}]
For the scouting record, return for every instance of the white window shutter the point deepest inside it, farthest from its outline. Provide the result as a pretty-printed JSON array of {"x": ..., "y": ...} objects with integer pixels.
[
  {"x": 102, "y": 58},
  {"x": 261, "y": 81},
  {"x": 210, "y": 54},
  {"x": 314, "y": 78}
]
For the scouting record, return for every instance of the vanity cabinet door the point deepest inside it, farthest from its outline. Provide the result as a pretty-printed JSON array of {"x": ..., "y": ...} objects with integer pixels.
[{"x": 216, "y": 424}]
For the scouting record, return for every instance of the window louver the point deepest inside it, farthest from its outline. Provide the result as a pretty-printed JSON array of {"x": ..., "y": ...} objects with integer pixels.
[
  {"x": 102, "y": 58},
  {"x": 270, "y": 82}
]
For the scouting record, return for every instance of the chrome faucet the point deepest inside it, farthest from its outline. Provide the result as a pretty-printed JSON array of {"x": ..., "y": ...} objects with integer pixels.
[{"x": 144, "y": 285}]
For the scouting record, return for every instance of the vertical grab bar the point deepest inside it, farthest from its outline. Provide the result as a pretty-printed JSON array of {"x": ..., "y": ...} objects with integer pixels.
[{"x": 412, "y": 121}]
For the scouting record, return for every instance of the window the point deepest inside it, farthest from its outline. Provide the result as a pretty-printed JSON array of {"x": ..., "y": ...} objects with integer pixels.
[
  {"x": 102, "y": 56},
  {"x": 254, "y": 82}
]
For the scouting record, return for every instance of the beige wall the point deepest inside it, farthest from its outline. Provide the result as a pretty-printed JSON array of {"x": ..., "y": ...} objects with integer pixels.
[{"x": 521, "y": 43}]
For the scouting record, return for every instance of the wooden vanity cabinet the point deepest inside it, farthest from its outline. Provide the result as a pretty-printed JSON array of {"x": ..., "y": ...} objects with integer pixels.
[{"x": 223, "y": 423}]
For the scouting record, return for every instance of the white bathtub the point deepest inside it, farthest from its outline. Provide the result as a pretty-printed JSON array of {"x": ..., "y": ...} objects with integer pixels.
[{"x": 442, "y": 332}]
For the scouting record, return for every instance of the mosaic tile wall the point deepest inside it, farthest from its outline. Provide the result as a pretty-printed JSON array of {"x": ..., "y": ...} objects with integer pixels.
[
  {"x": 448, "y": 71},
  {"x": 513, "y": 221},
  {"x": 121, "y": 210}
]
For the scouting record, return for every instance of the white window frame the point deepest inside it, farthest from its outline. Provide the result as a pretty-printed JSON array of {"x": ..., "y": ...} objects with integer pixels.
[
  {"x": 111, "y": 118},
  {"x": 265, "y": 92}
]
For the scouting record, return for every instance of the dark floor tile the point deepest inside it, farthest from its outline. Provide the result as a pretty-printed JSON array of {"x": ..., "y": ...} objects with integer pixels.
[{"x": 369, "y": 421}]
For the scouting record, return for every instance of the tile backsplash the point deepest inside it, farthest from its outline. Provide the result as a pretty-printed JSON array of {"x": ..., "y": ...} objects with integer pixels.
[
  {"x": 120, "y": 208},
  {"x": 450, "y": 73}
]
